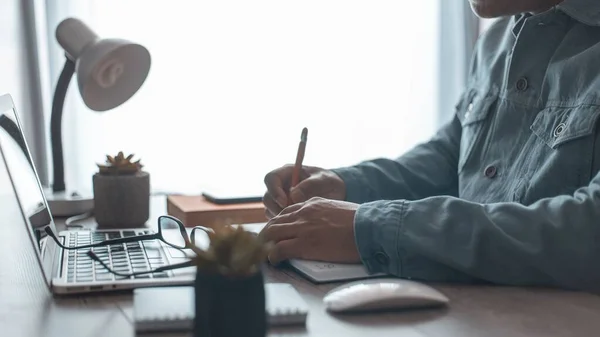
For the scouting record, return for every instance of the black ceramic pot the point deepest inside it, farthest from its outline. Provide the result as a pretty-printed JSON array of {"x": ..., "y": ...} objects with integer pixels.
[{"x": 230, "y": 307}]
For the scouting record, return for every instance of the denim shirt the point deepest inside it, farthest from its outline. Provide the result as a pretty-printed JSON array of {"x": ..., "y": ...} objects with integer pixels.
[{"x": 508, "y": 191}]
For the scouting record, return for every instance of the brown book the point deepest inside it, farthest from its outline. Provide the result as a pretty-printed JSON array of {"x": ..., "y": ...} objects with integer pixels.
[{"x": 197, "y": 211}]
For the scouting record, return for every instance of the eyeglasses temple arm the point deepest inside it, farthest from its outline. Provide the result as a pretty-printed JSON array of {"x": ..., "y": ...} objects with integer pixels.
[
  {"x": 175, "y": 266},
  {"x": 94, "y": 257},
  {"x": 103, "y": 243}
]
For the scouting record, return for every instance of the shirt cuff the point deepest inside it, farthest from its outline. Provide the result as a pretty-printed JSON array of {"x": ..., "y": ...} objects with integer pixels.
[
  {"x": 385, "y": 233},
  {"x": 357, "y": 187},
  {"x": 376, "y": 228}
]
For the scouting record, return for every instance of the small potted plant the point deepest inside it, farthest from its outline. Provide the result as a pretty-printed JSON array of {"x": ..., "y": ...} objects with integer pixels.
[
  {"x": 229, "y": 285},
  {"x": 121, "y": 193}
]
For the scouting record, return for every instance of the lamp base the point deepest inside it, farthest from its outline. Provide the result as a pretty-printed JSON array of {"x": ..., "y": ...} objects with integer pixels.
[{"x": 63, "y": 204}]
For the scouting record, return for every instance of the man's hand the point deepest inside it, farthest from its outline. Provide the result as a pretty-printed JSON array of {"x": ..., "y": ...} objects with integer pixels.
[
  {"x": 314, "y": 182},
  {"x": 318, "y": 229}
]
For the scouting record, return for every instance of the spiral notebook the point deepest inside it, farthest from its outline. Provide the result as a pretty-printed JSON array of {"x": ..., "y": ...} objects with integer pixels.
[{"x": 172, "y": 308}]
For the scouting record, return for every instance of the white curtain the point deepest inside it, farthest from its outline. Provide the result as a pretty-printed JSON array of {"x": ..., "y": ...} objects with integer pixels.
[
  {"x": 234, "y": 81},
  {"x": 21, "y": 74},
  {"x": 458, "y": 34}
]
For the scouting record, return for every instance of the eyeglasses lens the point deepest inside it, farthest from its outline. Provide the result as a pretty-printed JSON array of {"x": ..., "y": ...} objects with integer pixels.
[
  {"x": 171, "y": 232},
  {"x": 200, "y": 238}
]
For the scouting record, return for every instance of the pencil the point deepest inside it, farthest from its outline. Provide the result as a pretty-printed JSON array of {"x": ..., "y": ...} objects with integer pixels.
[{"x": 299, "y": 158}]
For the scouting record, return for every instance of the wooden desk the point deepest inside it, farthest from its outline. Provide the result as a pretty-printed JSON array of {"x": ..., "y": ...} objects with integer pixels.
[{"x": 28, "y": 309}]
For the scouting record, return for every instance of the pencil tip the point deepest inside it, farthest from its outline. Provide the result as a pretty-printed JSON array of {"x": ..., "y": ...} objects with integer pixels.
[{"x": 304, "y": 134}]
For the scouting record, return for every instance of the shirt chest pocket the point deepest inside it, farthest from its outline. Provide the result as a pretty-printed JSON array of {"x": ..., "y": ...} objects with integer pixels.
[
  {"x": 565, "y": 157},
  {"x": 473, "y": 112}
]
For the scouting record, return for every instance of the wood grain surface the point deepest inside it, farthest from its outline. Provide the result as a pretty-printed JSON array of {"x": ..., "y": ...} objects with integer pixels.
[{"x": 27, "y": 308}]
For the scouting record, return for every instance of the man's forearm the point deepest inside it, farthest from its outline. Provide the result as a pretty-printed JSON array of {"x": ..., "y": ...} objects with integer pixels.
[
  {"x": 426, "y": 170},
  {"x": 553, "y": 242}
]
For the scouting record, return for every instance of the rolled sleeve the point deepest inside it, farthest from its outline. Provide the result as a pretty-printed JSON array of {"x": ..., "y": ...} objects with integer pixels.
[
  {"x": 387, "y": 234},
  {"x": 381, "y": 241},
  {"x": 552, "y": 242},
  {"x": 376, "y": 228}
]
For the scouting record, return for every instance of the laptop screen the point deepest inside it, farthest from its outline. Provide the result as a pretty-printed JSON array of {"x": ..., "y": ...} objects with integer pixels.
[{"x": 26, "y": 184}]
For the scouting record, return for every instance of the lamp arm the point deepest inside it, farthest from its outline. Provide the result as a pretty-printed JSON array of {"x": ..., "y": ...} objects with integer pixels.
[{"x": 58, "y": 102}]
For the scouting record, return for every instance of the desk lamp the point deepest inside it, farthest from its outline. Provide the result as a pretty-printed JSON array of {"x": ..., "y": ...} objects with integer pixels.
[{"x": 109, "y": 72}]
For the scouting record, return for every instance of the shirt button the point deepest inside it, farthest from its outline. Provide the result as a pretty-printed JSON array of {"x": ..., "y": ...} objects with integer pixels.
[
  {"x": 381, "y": 258},
  {"x": 558, "y": 130},
  {"x": 522, "y": 84},
  {"x": 469, "y": 109},
  {"x": 490, "y": 171}
]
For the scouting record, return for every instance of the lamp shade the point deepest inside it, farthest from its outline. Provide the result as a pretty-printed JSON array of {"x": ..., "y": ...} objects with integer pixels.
[{"x": 109, "y": 71}]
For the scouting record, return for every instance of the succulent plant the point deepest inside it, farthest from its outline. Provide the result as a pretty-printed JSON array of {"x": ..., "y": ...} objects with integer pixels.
[
  {"x": 232, "y": 252},
  {"x": 120, "y": 164}
]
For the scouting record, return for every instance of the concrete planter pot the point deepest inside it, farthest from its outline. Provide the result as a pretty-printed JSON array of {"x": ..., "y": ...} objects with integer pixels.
[{"x": 121, "y": 201}]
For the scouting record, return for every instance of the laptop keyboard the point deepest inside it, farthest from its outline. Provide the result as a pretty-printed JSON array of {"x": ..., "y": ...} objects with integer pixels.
[{"x": 126, "y": 258}]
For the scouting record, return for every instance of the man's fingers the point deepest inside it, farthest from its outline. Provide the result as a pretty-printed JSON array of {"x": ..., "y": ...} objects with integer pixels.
[
  {"x": 283, "y": 217},
  {"x": 297, "y": 195},
  {"x": 308, "y": 188},
  {"x": 268, "y": 214},
  {"x": 271, "y": 207},
  {"x": 278, "y": 232},
  {"x": 274, "y": 183},
  {"x": 289, "y": 210},
  {"x": 284, "y": 250}
]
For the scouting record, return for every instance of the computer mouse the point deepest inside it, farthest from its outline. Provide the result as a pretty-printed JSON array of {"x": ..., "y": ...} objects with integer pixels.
[{"x": 382, "y": 294}]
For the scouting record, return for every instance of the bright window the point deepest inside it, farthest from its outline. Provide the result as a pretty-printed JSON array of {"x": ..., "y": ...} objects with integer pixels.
[{"x": 234, "y": 81}]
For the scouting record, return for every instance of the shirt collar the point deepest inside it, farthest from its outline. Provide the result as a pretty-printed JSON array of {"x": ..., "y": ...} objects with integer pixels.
[
  {"x": 584, "y": 11},
  {"x": 519, "y": 20}
]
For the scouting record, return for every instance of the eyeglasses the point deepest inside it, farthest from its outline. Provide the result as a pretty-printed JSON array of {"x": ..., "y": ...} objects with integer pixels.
[
  {"x": 177, "y": 239},
  {"x": 165, "y": 222}
]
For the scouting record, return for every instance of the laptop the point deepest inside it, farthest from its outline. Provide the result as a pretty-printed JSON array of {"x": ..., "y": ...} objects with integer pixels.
[{"x": 73, "y": 271}]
